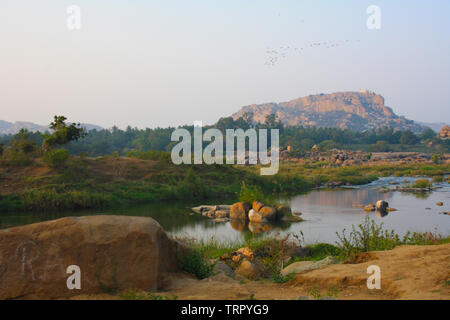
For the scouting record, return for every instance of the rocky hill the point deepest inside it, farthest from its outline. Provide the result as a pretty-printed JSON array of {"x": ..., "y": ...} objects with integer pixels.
[
  {"x": 360, "y": 111},
  {"x": 14, "y": 127}
]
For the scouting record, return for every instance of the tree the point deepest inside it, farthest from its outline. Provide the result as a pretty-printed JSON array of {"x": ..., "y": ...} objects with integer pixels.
[
  {"x": 428, "y": 134},
  {"x": 380, "y": 146},
  {"x": 22, "y": 142},
  {"x": 408, "y": 138},
  {"x": 62, "y": 133}
]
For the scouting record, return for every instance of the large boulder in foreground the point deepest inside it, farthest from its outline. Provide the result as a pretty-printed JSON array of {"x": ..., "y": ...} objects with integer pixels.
[{"x": 114, "y": 253}]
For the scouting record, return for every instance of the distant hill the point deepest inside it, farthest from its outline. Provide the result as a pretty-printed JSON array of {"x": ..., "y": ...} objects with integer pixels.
[
  {"x": 359, "y": 111},
  {"x": 14, "y": 127}
]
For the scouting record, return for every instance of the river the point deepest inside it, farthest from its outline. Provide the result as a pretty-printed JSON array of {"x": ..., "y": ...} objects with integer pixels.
[{"x": 325, "y": 212}]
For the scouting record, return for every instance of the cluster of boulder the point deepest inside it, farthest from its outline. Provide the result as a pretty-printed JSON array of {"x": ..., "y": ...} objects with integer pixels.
[
  {"x": 332, "y": 158},
  {"x": 217, "y": 212},
  {"x": 256, "y": 212},
  {"x": 247, "y": 264},
  {"x": 344, "y": 158}
]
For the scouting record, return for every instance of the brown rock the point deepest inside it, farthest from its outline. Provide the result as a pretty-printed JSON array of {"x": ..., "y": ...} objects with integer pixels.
[
  {"x": 113, "y": 253},
  {"x": 257, "y": 205},
  {"x": 445, "y": 132},
  {"x": 283, "y": 211},
  {"x": 292, "y": 219},
  {"x": 370, "y": 207},
  {"x": 255, "y": 216},
  {"x": 222, "y": 214},
  {"x": 269, "y": 213},
  {"x": 240, "y": 210},
  {"x": 248, "y": 270},
  {"x": 247, "y": 252}
]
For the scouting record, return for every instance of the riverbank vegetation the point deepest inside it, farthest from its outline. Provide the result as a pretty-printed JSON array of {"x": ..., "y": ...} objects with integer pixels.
[
  {"x": 78, "y": 182},
  {"x": 272, "y": 251},
  {"x": 81, "y": 182}
]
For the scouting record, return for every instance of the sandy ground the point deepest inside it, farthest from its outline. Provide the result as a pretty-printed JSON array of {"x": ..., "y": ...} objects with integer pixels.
[{"x": 407, "y": 272}]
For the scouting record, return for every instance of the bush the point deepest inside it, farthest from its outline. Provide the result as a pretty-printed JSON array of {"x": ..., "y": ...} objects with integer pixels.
[
  {"x": 191, "y": 187},
  {"x": 192, "y": 261},
  {"x": 422, "y": 183},
  {"x": 17, "y": 158},
  {"x": 22, "y": 142},
  {"x": 56, "y": 158},
  {"x": 250, "y": 194},
  {"x": 380, "y": 146},
  {"x": 369, "y": 236},
  {"x": 149, "y": 155}
]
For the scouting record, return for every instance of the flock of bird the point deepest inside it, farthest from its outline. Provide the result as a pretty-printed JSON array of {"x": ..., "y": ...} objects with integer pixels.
[{"x": 275, "y": 55}]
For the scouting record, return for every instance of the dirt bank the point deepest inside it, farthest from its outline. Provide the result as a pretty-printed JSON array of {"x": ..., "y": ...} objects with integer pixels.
[{"x": 407, "y": 272}]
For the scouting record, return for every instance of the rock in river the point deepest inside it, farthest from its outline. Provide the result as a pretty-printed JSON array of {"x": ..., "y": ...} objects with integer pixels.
[
  {"x": 240, "y": 210},
  {"x": 255, "y": 216}
]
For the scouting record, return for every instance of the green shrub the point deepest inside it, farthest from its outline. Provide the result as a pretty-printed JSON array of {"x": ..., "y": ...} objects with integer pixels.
[
  {"x": 193, "y": 261},
  {"x": 251, "y": 193},
  {"x": 369, "y": 236},
  {"x": 17, "y": 158},
  {"x": 56, "y": 158},
  {"x": 422, "y": 183},
  {"x": 149, "y": 155},
  {"x": 192, "y": 187}
]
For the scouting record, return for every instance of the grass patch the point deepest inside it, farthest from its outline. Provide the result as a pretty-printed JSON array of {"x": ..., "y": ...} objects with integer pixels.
[{"x": 370, "y": 236}]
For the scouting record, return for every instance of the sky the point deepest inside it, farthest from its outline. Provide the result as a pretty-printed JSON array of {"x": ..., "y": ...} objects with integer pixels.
[{"x": 168, "y": 63}]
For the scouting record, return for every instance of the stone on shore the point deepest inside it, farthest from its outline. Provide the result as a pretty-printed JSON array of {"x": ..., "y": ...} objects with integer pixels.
[
  {"x": 304, "y": 266},
  {"x": 114, "y": 253}
]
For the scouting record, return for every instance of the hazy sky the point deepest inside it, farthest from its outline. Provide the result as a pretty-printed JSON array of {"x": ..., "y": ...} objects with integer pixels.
[{"x": 159, "y": 63}]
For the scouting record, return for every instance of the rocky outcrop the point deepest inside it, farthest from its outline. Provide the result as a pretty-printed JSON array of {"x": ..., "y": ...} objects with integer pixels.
[
  {"x": 360, "y": 111},
  {"x": 113, "y": 253},
  {"x": 445, "y": 132}
]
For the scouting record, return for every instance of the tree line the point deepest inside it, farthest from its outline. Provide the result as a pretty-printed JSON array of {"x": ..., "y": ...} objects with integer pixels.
[{"x": 107, "y": 141}]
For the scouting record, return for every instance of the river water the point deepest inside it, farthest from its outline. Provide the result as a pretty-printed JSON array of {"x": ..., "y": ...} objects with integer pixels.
[{"x": 325, "y": 212}]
